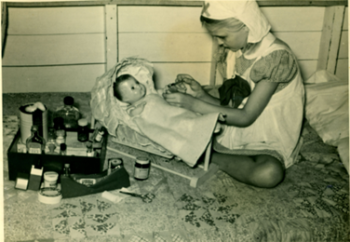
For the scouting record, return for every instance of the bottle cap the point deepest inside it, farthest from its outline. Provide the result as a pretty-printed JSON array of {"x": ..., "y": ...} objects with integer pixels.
[
  {"x": 68, "y": 100},
  {"x": 63, "y": 146},
  {"x": 82, "y": 122},
  {"x": 35, "y": 128},
  {"x": 143, "y": 160},
  {"x": 67, "y": 165}
]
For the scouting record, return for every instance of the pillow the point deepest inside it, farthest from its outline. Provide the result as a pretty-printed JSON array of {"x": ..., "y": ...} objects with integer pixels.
[{"x": 327, "y": 107}]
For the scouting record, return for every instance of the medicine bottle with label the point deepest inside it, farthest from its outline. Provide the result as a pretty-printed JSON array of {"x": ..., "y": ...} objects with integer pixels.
[
  {"x": 83, "y": 130},
  {"x": 35, "y": 143},
  {"x": 141, "y": 168},
  {"x": 100, "y": 134}
]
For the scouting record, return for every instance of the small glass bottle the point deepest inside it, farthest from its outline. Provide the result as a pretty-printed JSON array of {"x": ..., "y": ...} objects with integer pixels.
[
  {"x": 35, "y": 143},
  {"x": 83, "y": 130},
  {"x": 100, "y": 134},
  {"x": 60, "y": 131},
  {"x": 69, "y": 113},
  {"x": 63, "y": 149},
  {"x": 141, "y": 168},
  {"x": 51, "y": 141},
  {"x": 66, "y": 169},
  {"x": 89, "y": 151}
]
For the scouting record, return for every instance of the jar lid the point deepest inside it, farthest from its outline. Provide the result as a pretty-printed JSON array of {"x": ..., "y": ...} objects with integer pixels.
[
  {"x": 82, "y": 122},
  {"x": 143, "y": 160}
]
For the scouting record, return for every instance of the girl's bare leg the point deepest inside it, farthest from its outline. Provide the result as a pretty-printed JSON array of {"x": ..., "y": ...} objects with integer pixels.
[{"x": 260, "y": 171}]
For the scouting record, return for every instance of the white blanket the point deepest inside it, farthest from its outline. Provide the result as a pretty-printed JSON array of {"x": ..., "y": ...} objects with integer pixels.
[{"x": 182, "y": 132}]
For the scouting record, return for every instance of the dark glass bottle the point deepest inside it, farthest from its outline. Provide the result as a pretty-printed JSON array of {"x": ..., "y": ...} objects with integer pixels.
[
  {"x": 63, "y": 149},
  {"x": 35, "y": 143}
]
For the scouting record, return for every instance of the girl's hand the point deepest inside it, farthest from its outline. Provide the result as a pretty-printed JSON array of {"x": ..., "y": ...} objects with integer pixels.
[
  {"x": 180, "y": 100},
  {"x": 196, "y": 88}
]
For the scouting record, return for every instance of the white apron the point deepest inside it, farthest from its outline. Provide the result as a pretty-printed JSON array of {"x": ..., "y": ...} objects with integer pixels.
[{"x": 277, "y": 129}]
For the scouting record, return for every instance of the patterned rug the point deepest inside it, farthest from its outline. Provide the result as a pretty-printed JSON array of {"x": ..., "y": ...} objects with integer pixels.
[{"x": 312, "y": 204}]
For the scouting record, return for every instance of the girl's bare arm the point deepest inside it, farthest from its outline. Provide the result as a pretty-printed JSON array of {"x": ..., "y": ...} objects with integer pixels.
[{"x": 256, "y": 103}]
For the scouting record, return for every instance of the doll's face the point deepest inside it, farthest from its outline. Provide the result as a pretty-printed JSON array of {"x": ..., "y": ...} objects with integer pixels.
[{"x": 131, "y": 90}]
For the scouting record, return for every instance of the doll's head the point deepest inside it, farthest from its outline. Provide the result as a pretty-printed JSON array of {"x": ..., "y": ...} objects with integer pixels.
[{"x": 128, "y": 89}]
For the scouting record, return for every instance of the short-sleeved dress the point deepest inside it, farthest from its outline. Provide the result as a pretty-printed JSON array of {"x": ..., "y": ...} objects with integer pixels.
[{"x": 277, "y": 130}]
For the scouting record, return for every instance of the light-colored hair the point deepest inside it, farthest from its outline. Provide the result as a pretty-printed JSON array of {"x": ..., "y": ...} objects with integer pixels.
[{"x": 231, "y": 24}]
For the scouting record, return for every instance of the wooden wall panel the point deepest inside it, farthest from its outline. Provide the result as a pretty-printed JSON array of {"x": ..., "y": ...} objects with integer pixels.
[
  {"x": 51, "y": 79},
  {"x": 342, "y": 70},
  {"x": 165, "y": 73},
  {"x": 186, "y": 19},
  {"x": 56, "y": 20},
  {"x": 158, "y": 19},
  {"x": 305, "y": 45},
  {"x": 307, "y": 68},
  {"x": 294, "y": 18},
  {"x": 344, "y": 45},
  {"x": 346, "y": 19},
  {"x": 166, "y": 47},
  {"x": 54, "y": 49}
]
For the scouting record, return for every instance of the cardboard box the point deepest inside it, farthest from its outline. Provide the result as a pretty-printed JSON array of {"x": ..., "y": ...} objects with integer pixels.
[{"x": 79, "y": 163}]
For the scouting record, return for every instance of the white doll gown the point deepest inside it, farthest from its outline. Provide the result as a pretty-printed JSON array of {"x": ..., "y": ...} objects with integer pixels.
[{"x": 277, "y": 130}]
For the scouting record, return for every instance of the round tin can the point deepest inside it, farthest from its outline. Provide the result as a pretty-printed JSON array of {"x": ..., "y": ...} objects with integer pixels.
[{"x": 141, "y": 168}]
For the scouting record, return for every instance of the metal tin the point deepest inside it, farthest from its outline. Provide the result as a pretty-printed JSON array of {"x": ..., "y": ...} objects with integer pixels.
[{"x": 141, "y": 168}]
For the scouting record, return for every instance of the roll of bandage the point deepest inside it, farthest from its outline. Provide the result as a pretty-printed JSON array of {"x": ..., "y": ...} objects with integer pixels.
[
  {"x": 33, "y": 114},
  {"x": 49, "y": 196}
]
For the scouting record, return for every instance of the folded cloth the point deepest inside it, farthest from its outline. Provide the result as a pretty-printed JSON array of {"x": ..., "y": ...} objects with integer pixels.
[
  {"x": 235, "y": 89},
  {"x": 185, "y": 133}
]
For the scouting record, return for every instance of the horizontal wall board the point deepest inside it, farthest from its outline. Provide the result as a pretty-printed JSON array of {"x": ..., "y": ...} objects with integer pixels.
[
  {"x": 307, "y": 68},
  {"x": 305, "y": 45},
  {"x": 159, "y": 19},
  {"x": 50, "y": 79},
  {"x": 165, "y": 73},
  {"x": 175, "y": 3},
  {"x": 54, "y": 49},
  {"x": 342, "y": 69},
  {"x": 166, "y": 46},
  {"x": 344, "y": 45},
  {"x": 59, "y": 20},
  {"x": 295, "y": 18}
]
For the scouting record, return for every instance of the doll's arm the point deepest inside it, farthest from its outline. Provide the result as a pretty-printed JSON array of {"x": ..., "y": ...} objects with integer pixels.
[{"x": 136, "y": 109}]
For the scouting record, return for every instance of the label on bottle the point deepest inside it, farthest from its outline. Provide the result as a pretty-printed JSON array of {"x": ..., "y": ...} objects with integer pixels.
[
  {"x": 34, "y": 148},
  {"x": 90, "y": 153},
  {"x": 60, "y": 140},
  {"x": 99, "y": 136},
  {"x": 141, "y": 173}
]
